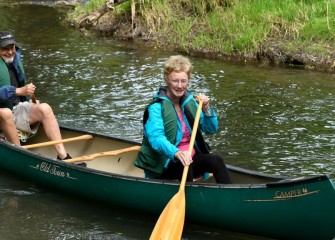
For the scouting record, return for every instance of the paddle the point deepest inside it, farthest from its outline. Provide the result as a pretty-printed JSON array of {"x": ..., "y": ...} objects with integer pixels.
[
  {"x": 83, "y": 137},
  {"x": 33, "y": 98},
  {"x": 103, "y": 154},
  {"x": 171, "y": 221}
]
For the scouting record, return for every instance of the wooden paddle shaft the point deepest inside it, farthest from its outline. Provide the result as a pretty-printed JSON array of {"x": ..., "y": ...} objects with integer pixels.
[
  {"x": 103, "y": 154},
  {"x": 33, "y": 98},
  {"x": 190, "y": 148},
  {"x": 43, "y": 144}
]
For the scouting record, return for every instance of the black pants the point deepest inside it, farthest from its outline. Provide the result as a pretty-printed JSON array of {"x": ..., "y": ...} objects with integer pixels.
[{"x": 202, "y": 163}]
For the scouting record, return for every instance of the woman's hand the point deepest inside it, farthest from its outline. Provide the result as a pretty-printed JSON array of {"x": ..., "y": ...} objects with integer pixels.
[
  {"x": 205, "y": 103},
  {"x": 184, "y": 157}
]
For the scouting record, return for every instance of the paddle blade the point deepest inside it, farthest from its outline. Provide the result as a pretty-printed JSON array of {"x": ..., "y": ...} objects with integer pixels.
[{"x": 171, "y": 221}]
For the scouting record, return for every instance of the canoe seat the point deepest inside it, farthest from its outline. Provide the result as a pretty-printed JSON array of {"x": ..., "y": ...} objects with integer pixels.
[{"x": 49, "y": 143}]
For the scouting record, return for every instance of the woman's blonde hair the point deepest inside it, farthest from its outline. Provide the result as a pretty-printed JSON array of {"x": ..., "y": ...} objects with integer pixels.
[{"x": 177, "y": 63}]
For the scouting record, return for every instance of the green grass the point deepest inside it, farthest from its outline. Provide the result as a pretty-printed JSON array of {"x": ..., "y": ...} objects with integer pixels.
[
  {"x": 87, "y": 8},
  {"x": 235, "y": 26}
]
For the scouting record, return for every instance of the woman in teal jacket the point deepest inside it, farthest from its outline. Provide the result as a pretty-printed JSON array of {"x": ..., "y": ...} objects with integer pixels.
[{"x": 168, "y": 122}]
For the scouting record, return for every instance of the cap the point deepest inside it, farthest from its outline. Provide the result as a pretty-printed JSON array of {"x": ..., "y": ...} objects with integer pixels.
[{"x": 6, "y": 38}]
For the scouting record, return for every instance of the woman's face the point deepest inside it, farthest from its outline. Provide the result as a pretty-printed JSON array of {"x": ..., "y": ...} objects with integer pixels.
[{"x": 177, "y": 83}]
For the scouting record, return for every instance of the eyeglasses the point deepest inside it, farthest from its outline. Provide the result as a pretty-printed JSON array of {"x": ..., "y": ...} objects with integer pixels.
[{"x": 176, "y": 82}]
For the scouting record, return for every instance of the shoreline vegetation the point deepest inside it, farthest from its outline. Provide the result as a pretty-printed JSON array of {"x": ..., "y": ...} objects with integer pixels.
[{"x": 298, "y": 33}]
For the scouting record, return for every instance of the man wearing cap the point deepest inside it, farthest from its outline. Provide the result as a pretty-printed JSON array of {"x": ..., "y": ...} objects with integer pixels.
[{"x": 16, "y": 108}]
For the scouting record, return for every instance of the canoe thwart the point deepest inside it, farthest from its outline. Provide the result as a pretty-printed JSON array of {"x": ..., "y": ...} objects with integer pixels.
[
  {"x": 103, "y": 154},
  {"x": 44, "y": 144}
]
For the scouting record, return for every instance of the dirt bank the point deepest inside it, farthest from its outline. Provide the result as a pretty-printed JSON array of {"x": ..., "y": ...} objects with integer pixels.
[{"x": 124, "y": 28}]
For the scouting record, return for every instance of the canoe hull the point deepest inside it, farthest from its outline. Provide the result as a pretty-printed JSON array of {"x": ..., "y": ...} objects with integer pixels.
[{"x": 287, "y": 209}]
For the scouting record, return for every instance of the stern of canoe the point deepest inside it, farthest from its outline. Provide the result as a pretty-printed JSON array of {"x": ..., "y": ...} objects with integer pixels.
[{"x": 292, "y": 209}]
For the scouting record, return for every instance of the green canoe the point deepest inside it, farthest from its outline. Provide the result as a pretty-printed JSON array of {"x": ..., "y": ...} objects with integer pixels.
[{"x": 259, "y": 204}]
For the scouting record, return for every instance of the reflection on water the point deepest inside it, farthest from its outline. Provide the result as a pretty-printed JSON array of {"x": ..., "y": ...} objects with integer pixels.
[
  {"x": 283, "y": 121},
  {"x": 273, "y": 120}
]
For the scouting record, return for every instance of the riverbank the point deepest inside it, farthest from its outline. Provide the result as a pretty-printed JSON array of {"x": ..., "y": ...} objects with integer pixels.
[{"x": 284, "y": 33}]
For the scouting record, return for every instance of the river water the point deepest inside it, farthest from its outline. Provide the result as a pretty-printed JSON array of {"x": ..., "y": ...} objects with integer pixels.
[{"x": 274, "y": 120}]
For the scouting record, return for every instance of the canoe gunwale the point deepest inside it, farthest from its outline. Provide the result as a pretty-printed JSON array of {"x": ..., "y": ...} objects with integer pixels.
[
  {"x": 274, "y": 180},
  {"x": 232, "y": 168},
  {"x": 96, "y": 171},
  {"x": 120, "y": 176},
  {"x": 298, "y": 181}
]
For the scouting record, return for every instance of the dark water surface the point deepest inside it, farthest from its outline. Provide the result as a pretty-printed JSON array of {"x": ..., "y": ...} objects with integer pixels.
[{"x": 274, "y": 120}]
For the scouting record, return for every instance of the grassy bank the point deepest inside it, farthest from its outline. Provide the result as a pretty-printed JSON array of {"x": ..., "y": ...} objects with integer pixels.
[{"x": 288, "y": 31}]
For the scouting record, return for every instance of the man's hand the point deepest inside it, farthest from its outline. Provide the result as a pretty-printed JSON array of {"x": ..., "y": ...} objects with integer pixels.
[{"x": 27, "y": 90}]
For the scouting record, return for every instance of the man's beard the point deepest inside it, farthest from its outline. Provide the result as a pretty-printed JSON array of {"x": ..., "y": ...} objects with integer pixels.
[{"x": 8, "y": 60}]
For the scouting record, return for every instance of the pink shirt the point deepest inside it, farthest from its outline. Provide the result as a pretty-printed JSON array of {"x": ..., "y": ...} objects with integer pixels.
[{"x": 185, "y": 141}]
